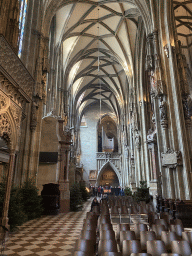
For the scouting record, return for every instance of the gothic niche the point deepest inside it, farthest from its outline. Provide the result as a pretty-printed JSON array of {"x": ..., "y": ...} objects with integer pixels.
[{"x": 107, "y": 135}]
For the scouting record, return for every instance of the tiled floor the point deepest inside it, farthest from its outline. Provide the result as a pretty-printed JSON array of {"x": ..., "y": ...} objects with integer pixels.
[{"x": 50, "y": 235}]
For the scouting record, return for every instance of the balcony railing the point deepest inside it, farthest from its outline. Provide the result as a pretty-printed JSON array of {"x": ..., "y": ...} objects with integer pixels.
[{"x": 104, "y": 157}]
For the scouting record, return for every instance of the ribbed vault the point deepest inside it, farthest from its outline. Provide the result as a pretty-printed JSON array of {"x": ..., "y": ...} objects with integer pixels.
[
  {"x": 183, "y": 17},
  {"x": 97, "y": 42}
]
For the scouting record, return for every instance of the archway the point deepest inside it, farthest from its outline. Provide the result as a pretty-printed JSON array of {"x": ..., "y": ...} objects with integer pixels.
[{"x": 108, "y": 176}]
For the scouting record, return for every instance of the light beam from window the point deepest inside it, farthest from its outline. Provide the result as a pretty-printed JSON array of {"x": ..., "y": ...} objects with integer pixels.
[{"x": 22, "y": 16}]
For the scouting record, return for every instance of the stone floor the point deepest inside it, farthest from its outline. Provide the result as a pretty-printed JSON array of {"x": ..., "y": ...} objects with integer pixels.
[{"x": 50, "y": 235}]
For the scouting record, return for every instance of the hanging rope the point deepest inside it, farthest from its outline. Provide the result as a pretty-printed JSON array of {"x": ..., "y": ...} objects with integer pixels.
[{"x": 99, "y": 62}]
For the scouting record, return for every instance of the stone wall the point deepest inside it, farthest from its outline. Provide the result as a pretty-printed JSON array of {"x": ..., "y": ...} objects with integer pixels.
[{"x": 48, "y": 172}]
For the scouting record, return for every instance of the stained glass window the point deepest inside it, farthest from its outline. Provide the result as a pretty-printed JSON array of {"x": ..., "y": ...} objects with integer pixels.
[{"x": 23, "y": 10}]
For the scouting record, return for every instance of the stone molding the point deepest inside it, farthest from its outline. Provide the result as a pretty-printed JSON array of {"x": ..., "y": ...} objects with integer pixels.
[
  {"x": 115, "y": 169},
  {"x": 10, "y": 120},
  {"x": 12, "y": 92},
  {"x": 107, "y": 155},
  {"x": 14, "y": 70}
]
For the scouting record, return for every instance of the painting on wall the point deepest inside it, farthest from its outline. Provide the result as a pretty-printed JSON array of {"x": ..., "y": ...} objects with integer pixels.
[{"x": 93, "y": 175}]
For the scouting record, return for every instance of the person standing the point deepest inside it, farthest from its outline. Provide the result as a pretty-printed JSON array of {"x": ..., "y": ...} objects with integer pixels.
[
  {"x": 96, "y": 191},
  {"x": 99, "y": 191},
  {"x": 93, "y": 190},
  {"x": 102, "y": 190}
]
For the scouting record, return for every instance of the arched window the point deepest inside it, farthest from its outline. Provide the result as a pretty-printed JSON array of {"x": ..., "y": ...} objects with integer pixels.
[{"x": 22, "y": 16}]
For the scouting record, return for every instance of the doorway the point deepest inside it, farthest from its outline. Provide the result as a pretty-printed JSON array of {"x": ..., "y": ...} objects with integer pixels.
[{"x": 108, "y": 178}]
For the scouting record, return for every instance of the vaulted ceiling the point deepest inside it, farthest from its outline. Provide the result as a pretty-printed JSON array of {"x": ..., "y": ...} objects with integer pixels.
[
  {"x": 183, "y": 17},
  {"x": 98, "y": 44}
]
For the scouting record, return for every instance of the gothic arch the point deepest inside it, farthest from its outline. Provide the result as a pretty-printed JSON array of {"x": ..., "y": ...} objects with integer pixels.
[
  {"x": 8, "y": 127},
  {"x": 109, "y": 163}
]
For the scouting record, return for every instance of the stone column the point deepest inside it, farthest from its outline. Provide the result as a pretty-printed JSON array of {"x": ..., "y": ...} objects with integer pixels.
[
  {"x": 127, "y": 168},
  {"x": 137, "y": 151},
  {"x": 33, "y": 161},
  {"x": 153, "y": 155},
  {"x": 166, "y": 172},
  {"x": 65, "y": 143}
]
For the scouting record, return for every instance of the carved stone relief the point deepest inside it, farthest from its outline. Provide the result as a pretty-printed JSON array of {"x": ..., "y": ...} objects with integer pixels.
[
  {"x": 149, "y": 62},
  {"x": 152, "y": 80},
  {"x": 11, "y": 91},
  {"x": 14, "y": 67},
  {"x": 155, "y": 83},
  {"x": 3, "y": 103},
  {"x": 64, "y": 132},
  {"x": 10, "y": 112},
  {"x": 5, "y": 126},
  {"x": 16, "y": 112},
  {"x": 163, "y": 109}
]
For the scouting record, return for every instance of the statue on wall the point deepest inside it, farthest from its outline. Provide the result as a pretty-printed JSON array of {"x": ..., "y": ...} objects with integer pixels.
[
  {"x": 163, "y": 110},
  {"x": 152, "y": 81},
  {"x": 185, "y": 107},
  {"x": 137, "y": 139},
  {"x": 34, "y": 108},
  {"x": 44, "y": 85}
]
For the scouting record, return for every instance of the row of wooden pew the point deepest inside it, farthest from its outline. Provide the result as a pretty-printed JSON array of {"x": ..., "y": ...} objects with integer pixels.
[{"x": 160, "y": 236}]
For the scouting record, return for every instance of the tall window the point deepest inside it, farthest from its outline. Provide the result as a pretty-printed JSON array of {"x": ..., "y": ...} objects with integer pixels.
[{"x": 23, "y": 10}]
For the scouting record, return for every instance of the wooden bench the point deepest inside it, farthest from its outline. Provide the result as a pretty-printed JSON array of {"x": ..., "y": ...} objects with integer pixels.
[
  {"x": 184, "y": 212},
  {"x": 178, "y": 209}
]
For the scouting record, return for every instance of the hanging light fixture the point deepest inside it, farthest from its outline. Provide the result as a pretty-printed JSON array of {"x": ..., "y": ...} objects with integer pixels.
[{"x": 98, "y": 69}]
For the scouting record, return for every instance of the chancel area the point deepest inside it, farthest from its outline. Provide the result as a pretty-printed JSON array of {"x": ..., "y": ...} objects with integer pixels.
[{"x": 96, "y": 93}]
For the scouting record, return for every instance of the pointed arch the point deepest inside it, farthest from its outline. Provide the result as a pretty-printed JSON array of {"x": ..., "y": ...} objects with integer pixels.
[{"x": 102, "y": 169}]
